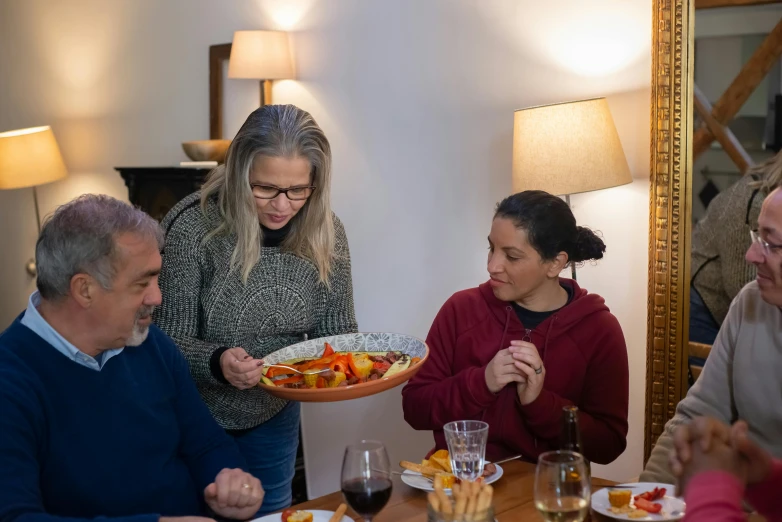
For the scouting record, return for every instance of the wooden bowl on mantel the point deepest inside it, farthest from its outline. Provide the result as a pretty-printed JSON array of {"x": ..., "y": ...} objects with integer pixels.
[{"x": 206, "y": 150}]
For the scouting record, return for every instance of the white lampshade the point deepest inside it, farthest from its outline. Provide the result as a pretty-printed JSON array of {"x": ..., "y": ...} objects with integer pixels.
[
  {"x": 29, "y": 157},
  {"x": 567, "y": 148},
  {"x": 260, "y": 55}
]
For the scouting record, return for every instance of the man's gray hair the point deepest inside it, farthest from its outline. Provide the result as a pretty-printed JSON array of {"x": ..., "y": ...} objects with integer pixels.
[{"x": 80, "y": 238}]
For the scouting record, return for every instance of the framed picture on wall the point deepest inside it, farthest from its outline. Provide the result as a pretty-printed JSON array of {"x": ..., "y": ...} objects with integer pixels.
[{"x": 218, "y": 55}]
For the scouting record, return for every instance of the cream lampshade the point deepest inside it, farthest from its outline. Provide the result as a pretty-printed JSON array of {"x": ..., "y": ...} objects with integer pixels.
[
  {"x": 261, "y": 55},
  {"x": 28, "y": 158},
  {"x": 567, "y": 148}
]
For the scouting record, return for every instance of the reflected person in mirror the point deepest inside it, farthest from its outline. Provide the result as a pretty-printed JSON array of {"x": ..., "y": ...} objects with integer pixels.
[
  {"x": 517, "y": 349},
  {"x": 741, "y": 377},
  {"x": 100, "y": 417},
  {"x": 719, "y": 242}
]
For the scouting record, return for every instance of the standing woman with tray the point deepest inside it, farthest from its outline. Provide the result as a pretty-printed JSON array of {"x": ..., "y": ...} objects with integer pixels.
[
  {"x": 519, "y": 348},
  {"x": 254, "y": 262}
]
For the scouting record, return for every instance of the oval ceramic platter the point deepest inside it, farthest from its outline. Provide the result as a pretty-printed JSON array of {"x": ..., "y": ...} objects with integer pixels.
[{"x": 376, "y": 342}]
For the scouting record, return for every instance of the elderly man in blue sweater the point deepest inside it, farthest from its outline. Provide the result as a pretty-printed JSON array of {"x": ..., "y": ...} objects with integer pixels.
[{"x": 98, "y": 414}]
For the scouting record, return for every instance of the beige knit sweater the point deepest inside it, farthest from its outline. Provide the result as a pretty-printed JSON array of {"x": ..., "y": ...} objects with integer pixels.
[
  {"x": 740, "y": 381},
  {"x": 720, "y": 241}
]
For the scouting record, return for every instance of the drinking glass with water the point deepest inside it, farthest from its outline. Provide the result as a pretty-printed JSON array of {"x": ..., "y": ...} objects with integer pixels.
[
  {"x": 562, "y": 488},
  {"x": 467, "y": 447}
]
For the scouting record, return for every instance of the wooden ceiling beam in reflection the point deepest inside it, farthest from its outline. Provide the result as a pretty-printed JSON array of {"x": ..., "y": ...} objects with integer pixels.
[
  {"x": 723, "y": 134},
  {"x": 750, "y": 76}
]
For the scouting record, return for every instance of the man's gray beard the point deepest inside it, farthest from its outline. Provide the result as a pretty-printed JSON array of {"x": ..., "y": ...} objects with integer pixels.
[
  {"x": 138, "y": 336},
  {"x": 140, "y": 333}
]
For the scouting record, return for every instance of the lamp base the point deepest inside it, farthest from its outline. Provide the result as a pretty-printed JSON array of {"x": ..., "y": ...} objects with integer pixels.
[
  {"x": 266, "y": 92},
  {"x": 572, "y": 264}
]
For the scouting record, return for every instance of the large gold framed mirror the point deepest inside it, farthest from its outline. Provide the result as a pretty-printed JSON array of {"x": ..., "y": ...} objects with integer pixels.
[{"x": 716, "y": 79}]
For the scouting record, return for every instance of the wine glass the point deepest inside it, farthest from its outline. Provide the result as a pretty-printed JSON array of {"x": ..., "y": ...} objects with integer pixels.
[
  {"x": 366, "y": 478},
  {"x": 562, "y": 488}
]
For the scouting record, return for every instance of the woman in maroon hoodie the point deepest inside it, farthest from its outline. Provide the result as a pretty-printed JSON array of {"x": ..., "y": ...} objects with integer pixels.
[{"x": 516, "y": 350}]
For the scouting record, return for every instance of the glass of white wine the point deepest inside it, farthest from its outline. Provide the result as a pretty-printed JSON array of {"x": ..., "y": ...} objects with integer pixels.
[{"x": 562, "y": 488}]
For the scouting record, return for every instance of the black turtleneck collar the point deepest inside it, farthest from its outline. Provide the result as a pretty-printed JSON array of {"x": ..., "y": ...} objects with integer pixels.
[{"x": 274, "y": 238}]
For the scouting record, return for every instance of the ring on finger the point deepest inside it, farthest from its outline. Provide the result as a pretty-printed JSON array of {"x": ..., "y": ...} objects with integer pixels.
[{"x": 538, "y": 371}]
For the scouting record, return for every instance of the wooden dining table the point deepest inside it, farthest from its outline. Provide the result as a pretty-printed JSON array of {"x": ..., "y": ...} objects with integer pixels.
[{"x": 513, "y": 498}]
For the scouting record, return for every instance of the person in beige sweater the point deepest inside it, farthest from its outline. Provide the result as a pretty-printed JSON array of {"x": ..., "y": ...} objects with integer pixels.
[
  {"x": 719, "y": 242},
  {"x": 740, "y": 380}
]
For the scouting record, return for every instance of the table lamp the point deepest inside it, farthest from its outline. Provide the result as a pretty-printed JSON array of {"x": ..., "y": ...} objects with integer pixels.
[
  {"x": 261, "y": 55},
  {"x": 28, "y": 158},
  {"x": 567, "y": 148}
]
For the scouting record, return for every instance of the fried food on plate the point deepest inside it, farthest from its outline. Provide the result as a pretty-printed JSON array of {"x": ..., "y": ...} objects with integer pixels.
[
  {"x": 441, "y": 459},
  {"x": 619, "y": 497}
]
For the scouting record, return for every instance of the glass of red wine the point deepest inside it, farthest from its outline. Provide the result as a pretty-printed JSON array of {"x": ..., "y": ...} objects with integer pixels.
[{"x": 366, "y": 478}]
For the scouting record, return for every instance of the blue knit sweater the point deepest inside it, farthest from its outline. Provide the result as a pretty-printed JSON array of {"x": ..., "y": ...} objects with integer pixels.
[{"x": 133, "y": 441}]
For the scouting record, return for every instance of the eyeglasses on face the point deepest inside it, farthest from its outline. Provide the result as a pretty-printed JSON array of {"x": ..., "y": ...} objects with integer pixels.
[
  {"x": 292, "y": 193},
  {"x": 767, "y": 247}
]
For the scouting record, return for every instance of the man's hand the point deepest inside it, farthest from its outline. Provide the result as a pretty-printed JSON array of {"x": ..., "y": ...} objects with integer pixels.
[
  {"x": 502, "y": 371},
  {"x": 240, "y": 369},
  {"x": 702, "y": 431},
  {"x": 758, "y": 460},
  {"x": 705, "y": 445},
  {"x": 234, "y": 494}
]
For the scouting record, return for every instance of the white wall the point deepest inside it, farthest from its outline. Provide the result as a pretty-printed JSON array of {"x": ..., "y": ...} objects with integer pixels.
[{"x": 417, "y": 99}]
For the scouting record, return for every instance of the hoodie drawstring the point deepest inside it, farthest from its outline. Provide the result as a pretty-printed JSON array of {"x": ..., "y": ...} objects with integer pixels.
[
  {"x": 508, "y": 310},
  {"x": 545, "y": 341}
]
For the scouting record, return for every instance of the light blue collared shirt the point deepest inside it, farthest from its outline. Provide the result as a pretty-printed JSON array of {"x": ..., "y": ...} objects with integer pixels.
[{"x": 35, "y": 322}]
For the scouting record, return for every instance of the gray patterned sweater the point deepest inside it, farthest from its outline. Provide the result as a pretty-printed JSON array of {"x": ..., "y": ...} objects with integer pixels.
[{"x": 206, "y": 306}]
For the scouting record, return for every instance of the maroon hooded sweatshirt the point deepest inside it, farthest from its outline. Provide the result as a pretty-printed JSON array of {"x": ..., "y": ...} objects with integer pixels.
[{"x": 581, "y": 346}]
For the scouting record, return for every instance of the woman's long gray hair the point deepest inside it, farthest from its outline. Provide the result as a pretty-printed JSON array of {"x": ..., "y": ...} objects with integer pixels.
[{"x": 277, "y": 131}]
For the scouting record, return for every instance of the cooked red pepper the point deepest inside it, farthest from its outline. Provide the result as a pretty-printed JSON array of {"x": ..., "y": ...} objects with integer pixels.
[
  {"x": 290, "y": 380},
  {"x": 321, "y": 383},
  {"x": 649, "y": 507},
  {"x": 340, "y": 364},
  {"x": 276, "y": 371},
  {"x": 328, "y": 350},
  {"x": 323, "y": 362},
  {"x": 654, "y": 494}
]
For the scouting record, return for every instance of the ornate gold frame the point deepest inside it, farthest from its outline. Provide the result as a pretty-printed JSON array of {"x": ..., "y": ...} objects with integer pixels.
[{"x": 670, "y": 212}]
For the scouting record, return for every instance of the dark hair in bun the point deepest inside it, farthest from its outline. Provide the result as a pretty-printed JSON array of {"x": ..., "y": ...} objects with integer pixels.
[{"x": 550, "y": 226}]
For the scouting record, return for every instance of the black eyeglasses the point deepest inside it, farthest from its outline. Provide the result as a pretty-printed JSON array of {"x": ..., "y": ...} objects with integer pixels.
[{"x": 292, "y": 193}]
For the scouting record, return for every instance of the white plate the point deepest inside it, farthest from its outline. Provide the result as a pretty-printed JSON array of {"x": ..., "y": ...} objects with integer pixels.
[
  {"x": 318, "y": 515},
  {"x": 418, "y": 481},
  {"x": 673, "y": 507}
]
